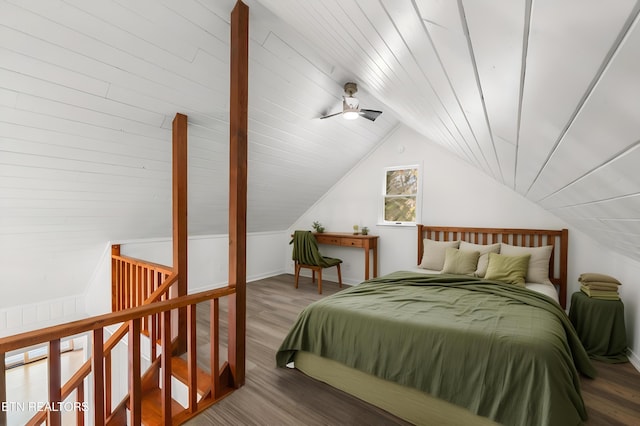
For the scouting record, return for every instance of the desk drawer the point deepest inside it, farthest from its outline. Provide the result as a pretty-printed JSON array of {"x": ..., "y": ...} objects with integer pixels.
[
  {"x": 351, "y": 242},
  {"x": 325, "y": 239}
]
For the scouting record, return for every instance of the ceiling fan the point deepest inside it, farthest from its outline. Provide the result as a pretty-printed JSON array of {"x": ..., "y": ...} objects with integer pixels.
[{"x": 351, "y": 106}]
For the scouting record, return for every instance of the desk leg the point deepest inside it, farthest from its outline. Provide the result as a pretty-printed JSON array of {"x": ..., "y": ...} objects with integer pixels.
[
  {"x": 375, "y": 261},
  {"x": 366, "y": 263}
]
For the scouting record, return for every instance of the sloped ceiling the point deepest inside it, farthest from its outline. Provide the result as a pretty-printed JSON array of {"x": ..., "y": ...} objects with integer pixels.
[
  {"x": 544, "y": 96},
  {"x": 88, "y": 92}
]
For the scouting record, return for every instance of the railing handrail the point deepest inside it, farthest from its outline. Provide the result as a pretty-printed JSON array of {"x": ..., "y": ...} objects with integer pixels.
[
  {"x": 60, "y": 331},
  {"x": 139, "y": 262}
]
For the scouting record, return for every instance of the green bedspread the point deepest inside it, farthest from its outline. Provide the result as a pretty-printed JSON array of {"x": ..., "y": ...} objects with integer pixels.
[{"x": 501, "y": 351}]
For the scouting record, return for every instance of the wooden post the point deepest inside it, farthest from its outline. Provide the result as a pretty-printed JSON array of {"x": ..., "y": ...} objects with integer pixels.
[
  {"x": 165, "y": 366},
  {"x": 179, "y": 186},
  {"x": 135, "y": 381},
  {"x": 115, "y": 289},
  {"x": 97, "y": 355},
  {"x": 238, "y": 189},
  {"x": 55, "y": 383}
]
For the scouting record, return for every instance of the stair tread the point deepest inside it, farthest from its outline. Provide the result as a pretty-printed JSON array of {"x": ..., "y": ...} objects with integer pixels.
[
  {"x": 152, "y": 407},
  {"x": 180, "y": 370}
]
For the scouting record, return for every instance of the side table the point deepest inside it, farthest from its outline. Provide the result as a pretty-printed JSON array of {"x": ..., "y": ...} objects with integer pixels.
[{"x": 600, "y": 327}]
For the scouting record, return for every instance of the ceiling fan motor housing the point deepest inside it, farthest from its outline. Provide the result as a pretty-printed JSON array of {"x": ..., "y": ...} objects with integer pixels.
[{"x": 350, "y": 88}]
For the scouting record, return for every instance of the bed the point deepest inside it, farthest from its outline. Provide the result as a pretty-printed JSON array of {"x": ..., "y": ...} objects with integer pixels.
[{"x": 433, "y": 345}]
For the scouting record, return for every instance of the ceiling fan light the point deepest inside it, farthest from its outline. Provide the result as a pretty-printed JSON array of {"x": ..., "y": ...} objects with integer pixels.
[
  {"x": 350, "y": 108},
  {"x": 350, "y": 114}
]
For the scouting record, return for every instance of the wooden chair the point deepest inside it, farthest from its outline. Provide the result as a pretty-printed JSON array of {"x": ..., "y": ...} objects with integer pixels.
[{"x": 307, "y": 255}]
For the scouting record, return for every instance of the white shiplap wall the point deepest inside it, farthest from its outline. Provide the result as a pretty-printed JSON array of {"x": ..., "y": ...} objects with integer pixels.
[{"x": 88, "y": 90}]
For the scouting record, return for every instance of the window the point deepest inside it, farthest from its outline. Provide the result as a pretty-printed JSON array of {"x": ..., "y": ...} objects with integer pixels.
[{"x": 401, "y": 195}]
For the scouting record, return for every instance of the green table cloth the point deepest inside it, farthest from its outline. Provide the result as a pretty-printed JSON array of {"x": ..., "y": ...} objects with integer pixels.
[{"x": 600, "y": 326}]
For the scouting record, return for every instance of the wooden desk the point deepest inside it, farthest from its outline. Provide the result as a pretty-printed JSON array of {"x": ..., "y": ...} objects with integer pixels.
[{"x": 367, "y": 242}]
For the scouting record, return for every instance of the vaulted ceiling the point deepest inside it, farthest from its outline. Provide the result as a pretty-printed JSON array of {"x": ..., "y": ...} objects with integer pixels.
[{"x": 544, "y": 96}]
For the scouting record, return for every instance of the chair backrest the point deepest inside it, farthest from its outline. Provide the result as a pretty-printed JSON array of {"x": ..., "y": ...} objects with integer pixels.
[{"x": 305, "y": 249}]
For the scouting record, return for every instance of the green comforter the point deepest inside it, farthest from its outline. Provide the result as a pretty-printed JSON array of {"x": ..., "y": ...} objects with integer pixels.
[{"x": 501, "y": 351}]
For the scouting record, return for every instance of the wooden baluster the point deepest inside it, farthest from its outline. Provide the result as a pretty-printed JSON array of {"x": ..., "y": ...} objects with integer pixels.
[
  {"x": 135, "y": 381},
  {"x": 192, "y": 361},
  {"x": 131, "y": 284},
  {"x": 80, "y": 401},
  {"x": 114, "y": 284},
  {"x": 214, "y": 349},
  {"x": 147, "y": 283},
  {"x": 139, "y": 286},
  {"x": 108, "y": 375},
  {"x": 125, "y": 286},
  {"x": 55, "y": 383},
  {"x": 142, "y": 286},
  {"x": 97, "y": 355},
  {"x": 126, "y": 280},
  {"x": 121, "y": 284},
  {"x": 153, "y": 332},
  {"x": 165, "y": 366},
  {"x": 136, "y": 285}
]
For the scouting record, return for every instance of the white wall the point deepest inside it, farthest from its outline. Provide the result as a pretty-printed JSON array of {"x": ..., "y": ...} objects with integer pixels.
[
  {"x": 207, "y": 262},
  {"x": 454, "y": 193}
]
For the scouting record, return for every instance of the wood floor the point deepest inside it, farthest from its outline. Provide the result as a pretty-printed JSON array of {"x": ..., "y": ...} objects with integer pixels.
[{"x": 276, "y": 396}]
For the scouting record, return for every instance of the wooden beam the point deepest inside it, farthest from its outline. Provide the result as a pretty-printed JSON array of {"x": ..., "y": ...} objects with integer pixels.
[
  {"x": 179, "y": 187},
  {"x": 238, "y": 189}
]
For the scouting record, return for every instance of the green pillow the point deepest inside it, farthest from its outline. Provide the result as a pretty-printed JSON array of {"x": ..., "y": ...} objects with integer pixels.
[
  {"x": 508, "y": 269},
  {"x": 461, "y": 262}
]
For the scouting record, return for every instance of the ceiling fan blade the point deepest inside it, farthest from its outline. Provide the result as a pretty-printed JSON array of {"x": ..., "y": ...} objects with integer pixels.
[
  {"x": 370, "y": 114},
  {"x": 331, "y": 115}
]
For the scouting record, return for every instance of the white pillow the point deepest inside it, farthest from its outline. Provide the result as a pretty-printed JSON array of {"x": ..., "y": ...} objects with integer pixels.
[
  {"x": 434, "y": 253},
  {"x": 484, "y": 250},
  {"x": 538, "y": 271}
]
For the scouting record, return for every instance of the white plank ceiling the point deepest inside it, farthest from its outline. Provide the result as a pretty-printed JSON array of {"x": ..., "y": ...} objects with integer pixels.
[{"x": 542, "y": 95}]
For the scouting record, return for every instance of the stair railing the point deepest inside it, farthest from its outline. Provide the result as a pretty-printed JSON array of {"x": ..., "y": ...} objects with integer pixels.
[
  {"x": 134, "y": 281},
  {"x": 98, "y": 367}
]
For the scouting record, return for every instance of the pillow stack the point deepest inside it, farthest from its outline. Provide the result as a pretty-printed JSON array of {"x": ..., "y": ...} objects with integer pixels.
[
  {"x": 499, "y": 261},
  {"x": 599, "y": 286}
]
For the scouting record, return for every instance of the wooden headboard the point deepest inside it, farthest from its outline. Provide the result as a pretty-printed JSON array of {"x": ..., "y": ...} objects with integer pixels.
[{"x": 517, "y": 237}]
